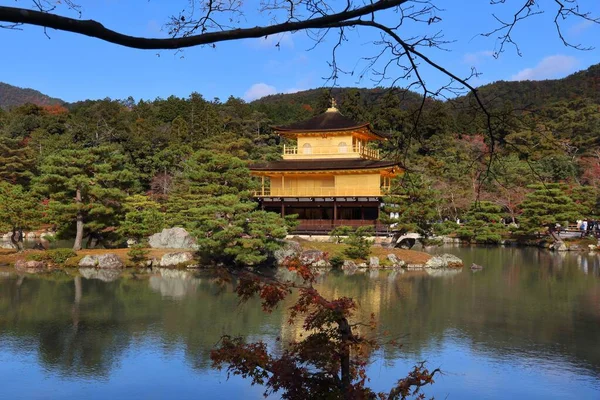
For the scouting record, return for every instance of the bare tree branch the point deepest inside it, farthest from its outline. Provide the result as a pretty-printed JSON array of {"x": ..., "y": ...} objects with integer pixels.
[{"x": 97, "y": 30}]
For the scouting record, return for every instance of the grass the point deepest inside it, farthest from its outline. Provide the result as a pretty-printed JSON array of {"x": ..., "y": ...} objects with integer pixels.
[
  {"x": 333, "y": 249},
  {"x": 9, "y": 256}
]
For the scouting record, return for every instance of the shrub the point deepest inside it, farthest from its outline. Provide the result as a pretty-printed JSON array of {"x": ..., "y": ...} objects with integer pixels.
[
  {"x": 358, "y": 244},
  {"x": 336, "y": 262},
  {"x": 35, "y": 257},
  {"x": 338, "y": 232},
  {"x": 138, "y": 253},
  {"x": 59, "y": 256}
]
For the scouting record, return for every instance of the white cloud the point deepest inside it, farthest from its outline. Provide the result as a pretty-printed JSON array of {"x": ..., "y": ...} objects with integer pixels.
[
  {"x": 550, "y": 67},
  {"x": 284, "y": 40},
  {"x": 580, "y": 27},
  {"x": 259, "y": 90},
  {"x": 478, "y": 57}
]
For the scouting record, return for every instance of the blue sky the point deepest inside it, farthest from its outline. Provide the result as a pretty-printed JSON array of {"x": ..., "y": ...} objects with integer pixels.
[{"x": 75, "y": 67}]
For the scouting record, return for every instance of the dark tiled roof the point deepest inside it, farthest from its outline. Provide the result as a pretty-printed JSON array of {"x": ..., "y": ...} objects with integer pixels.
[
  {"x": 321, "y": 165},
  {"x": 328, "y": 121}
]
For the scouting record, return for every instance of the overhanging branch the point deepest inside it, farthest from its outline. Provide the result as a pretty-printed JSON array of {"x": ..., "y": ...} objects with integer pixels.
[{"x": 95, "y": 29}]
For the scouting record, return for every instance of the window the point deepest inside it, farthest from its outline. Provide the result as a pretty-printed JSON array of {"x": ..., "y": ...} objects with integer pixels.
[
  {"x": 342, "y": 148},
  {"x": 307, "y": 149}
]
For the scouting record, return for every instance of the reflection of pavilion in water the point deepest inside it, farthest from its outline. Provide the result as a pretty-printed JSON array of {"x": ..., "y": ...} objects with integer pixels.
[{"x": 381, "y": 289}]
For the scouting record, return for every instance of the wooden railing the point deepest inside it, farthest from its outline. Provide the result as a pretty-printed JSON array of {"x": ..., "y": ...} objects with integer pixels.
[
  {"x": 307, "y": 152},
  {"x": 319, "y": 192}
]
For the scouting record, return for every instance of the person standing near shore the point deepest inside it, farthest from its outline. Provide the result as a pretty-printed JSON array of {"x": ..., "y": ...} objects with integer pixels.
[{"x": 583, "y": 228}]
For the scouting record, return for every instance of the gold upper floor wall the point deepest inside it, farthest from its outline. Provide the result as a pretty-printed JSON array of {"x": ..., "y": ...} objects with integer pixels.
[{"x": 331, "y": 145}]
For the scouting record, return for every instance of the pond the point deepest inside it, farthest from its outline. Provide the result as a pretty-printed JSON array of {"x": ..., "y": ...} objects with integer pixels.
[{"x": 526, "y": 326}]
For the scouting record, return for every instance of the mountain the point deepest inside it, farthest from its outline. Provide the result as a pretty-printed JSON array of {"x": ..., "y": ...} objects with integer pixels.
[
  {"x": 540, "y": 94},
  {"x": 521, "y": 94},
  {"x": 11, "y": 96}
]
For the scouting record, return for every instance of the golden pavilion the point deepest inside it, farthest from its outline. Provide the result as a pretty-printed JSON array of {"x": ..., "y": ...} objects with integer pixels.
[{"x": 331, "y": 177}]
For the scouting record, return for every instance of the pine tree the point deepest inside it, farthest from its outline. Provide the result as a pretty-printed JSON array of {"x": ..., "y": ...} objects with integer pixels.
[
  {"x": 483, "y": 223},
  {"x": 19, "y": 210},
  {"x": 143, "y": 217},
  {"x": 411, "y": 206},
  {"x": 212, "y": 200},
  {"x": 17, "y": 161},
  {"x": 86, "y": 188},
  {"x": 547, "y": 206}
]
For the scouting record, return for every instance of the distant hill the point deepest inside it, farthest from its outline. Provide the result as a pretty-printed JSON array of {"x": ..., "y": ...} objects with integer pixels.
[
  {"x": 11, "y": 96},
  {"x": 539, "y": 94},
  {"x": 312, "y": 96},
  {"x": 521, "y": 94}
]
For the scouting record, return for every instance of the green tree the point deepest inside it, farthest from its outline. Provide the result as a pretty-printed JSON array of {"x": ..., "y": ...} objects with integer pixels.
[
  {"x": 547, "y": 206},
  {"x": 411, "y": 205},
  {"x": 143, "y": 217},
  {"x": 483, "y": 223},
  {"x": 86, "y": 188},
  {"x": 17, "y": 161},
  {"x": 19, "y": 210},
  {"x": 212, "y": 199},
  {"x": 359, "y": 245}
]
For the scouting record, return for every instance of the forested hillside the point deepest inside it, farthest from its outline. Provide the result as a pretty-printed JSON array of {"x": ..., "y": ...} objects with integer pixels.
[
  {"x": 156, "y": 148},
  {"x": 11, "y": 96}
]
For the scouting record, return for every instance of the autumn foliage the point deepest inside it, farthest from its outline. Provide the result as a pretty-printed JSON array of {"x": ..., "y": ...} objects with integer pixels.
[{"x": 330, "y": 359}]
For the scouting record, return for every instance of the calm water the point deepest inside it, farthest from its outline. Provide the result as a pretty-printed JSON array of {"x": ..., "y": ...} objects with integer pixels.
[{"x": 527, "y": 326}]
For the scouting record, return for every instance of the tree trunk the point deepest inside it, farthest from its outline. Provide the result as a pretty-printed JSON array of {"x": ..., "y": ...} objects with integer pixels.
[
  {"x": 79, "y": 234},
  {"x": 17, "y": 239}
]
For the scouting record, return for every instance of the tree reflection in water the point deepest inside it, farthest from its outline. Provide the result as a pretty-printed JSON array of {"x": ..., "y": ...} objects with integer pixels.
[{"x": 524, "y": 305}]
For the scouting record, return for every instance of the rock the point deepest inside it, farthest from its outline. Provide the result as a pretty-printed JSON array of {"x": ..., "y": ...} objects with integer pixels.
[
  {"x": 30, "y": 235},
  {"x": 30, "y": 267},
  {"x": 362, "y": 265},
  {"x": 415, "y": 266},
  {"x": 444, "y": 261},
  {"x": 452, "y": 261},
  {"x": 176, "y": 259},
  {"x": 592, "y": 247},
  {"x": 349, "y": 266},
  {"x": 6, "y": 245},
  {"x": 153, "y": 262},
  {"x": 6, "y": 236},
  {"x": 374, "y": 262},
  {"x": 396, "y": 262},
  {"x": 560, "y": 246},
  {"x": 102, "y": 261},
  {"x": 47, "y": 235},
  {"x": 88, "y": 262},
  {"x": 435, "y": 262},
  {"x": 105, "y": 275},
  {"x": 109, "y": 261},
  {"x": 310, "y": 256},
  {"x": 131, "y": 242},
  {"x": 314, "y": 258},
  {"x": 476, "y": 266},
  {"x": 290, "y": 248},
  {"x": 173, "y": 238},
  {"x": 575, "y": 247}
]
